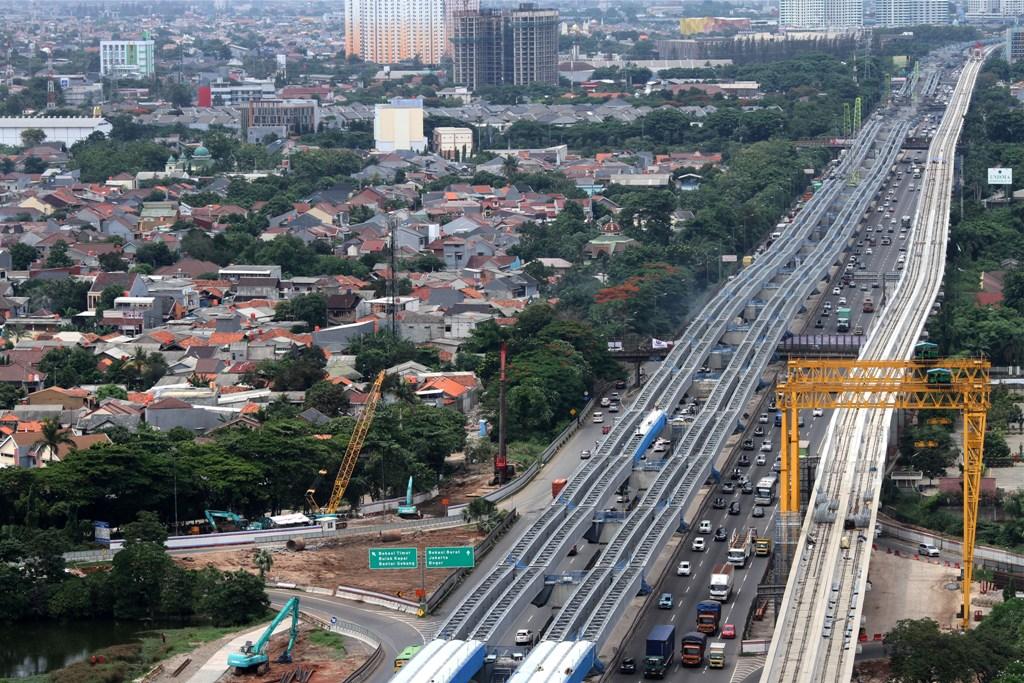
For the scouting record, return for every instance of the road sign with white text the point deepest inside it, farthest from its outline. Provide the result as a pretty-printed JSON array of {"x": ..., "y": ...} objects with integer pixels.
[
  {"x": 1000, "y": 176},
  {"x": 450, "y": 557},
  {"x": 393, "y": 558}
]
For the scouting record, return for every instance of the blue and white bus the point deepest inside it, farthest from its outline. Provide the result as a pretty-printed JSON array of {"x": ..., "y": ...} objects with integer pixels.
[{"x": 764, "y": 490}]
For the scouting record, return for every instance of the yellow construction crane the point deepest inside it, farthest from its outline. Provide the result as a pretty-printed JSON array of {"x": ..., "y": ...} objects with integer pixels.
[
  {"x": 925, "y": 383},
  {"x": 348, "y": 463}
]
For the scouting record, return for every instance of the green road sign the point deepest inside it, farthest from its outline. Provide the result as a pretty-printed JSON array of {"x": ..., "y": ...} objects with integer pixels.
[
  {"x": 393, "y": 558},
  {"x": 450, "y": 557}
]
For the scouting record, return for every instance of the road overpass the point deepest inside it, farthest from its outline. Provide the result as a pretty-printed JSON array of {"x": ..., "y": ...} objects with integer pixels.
[{"x": 815, "y": 637}]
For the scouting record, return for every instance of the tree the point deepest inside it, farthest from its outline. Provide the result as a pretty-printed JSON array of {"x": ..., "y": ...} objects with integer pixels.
[
  {"x": 32, "y": 137},
  {"x": 309, "y": 308},
  {"x": 263, "y": 560},
  {"x": 51, "y": 438},
  {"x": 155, "y": 254},
  {"x": 298, "y": 371},
  {"x": 58, "y": 256},
  {"x": 23, "y": 255},
  {"x": 33, "y": 165},
  {"x": 69, "y": 367},
  {"x": 231, "y": 598},
  {"x": 112, "y": 262},
  {"x": 107, "y": 297},
  {"x": 920, "y": 653},
  {"x": 111, "y": 391},
  {"x": 330, "y": 399},
  {"x": 138, "y": 372},
  {"x": 146, "y": 528},
  {"x": 10, "y": 395}
]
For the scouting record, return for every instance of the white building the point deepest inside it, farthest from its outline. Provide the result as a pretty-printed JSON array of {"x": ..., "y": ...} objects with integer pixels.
[
  {"x": 896, "y": 13},
  {"x": 390, "y": 31},
  {"x": 231, "y": 93},
  {"x": 68, "y": 130},
  {"x": 821, "y": 14},
  {"x": 127, "y": 59},
  {"x": 398, "y": 126},
  {"x": 453, "y": 143}
]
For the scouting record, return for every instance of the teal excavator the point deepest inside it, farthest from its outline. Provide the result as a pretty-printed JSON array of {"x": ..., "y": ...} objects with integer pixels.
[
  {"x": 252, "y": 658},
  {"x": 409, "y": 510}
]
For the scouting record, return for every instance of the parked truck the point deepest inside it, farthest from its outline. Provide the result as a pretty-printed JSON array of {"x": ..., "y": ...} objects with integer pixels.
[
  {"x": 762, "y": 546},
  {"x": 740, "y": 546},
  {"x": 869, "y": 305},
  {"x": 709, "y": 613},
  {"x": 843, "y": 319},
  {"x": 660, "y": 650},
  {"x": 720, "y": 587},
  {"x": 716, "y": 655}
]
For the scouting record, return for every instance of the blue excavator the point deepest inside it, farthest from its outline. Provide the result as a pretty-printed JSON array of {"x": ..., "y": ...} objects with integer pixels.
[{"x": 252, "y": 658}]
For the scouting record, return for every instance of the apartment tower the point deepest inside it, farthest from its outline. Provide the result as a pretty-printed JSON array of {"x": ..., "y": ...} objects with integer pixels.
[
  {"x": 390, "y": 31},
  {"x": 511, "y": 47}
]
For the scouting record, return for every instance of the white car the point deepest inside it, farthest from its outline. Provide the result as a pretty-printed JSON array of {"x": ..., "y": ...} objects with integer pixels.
[
  {"x": 766, "y": 446},
  {"x": 705, "y": 526},
  {"x": 585, "y": 454},
  {"x": 683, "y": 569},
  {"x": 761, "y": 459},
  {"x": 524, "y": 636},
  {"x": 605, "y": 402},
  {"x": 698, "y": 545},
  {"x": 928, "y": 550},
  {"x": 598, "y": 418},
  {"x": 836, "y": 291},
  {"x": 817, "y": 412}
]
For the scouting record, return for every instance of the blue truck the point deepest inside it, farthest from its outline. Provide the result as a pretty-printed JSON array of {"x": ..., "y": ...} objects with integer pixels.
[
  {"x": 708, "y": 614},
  {"x": 660, "y": 650}
]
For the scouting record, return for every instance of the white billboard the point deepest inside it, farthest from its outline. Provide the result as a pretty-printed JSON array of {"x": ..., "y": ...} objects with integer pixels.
[
  {"x": 729, "y": 258},
  {"x": 1000, "y": 176}
]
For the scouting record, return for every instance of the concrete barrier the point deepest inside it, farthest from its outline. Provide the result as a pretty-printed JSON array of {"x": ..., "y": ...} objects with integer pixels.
[
  {"x": 985, "y": 556},
  {"x": 379, "y": 599}
]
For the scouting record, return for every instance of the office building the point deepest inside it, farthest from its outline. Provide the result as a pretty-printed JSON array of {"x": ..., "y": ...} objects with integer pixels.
[
  {"x": 281, "y": 117},
  {"x": 127, "y": 59},
  {"x": 398, "y": 126},
  {"x": 897, "y": 13},
  {"x": 1015, "y": 44},
  {"x": 230, "y": 93},
  {"x": 391, "y": 31},
  {"x": 511, "y": 47},
  {"x": 821, "y": 14},
  {"x": 453, "y": 143}
]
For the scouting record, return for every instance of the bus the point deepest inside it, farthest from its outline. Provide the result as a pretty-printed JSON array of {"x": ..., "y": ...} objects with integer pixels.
[
  {"x": 926, "y": 351},
  {"x": 764, "y": 491},
  {"x": 405, "y": 655}
]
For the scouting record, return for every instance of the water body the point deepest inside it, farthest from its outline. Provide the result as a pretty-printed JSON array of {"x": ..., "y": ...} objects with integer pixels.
[{"x": 39, "y": 647}]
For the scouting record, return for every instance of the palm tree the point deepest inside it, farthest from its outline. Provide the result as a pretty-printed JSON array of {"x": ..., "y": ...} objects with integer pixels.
[
  {"x": 51, "y": 438},
  {"x": 263, "y": 561},
  {"x": 510, "y": 166}
]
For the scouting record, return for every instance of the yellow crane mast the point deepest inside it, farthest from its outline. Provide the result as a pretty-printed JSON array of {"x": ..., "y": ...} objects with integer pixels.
[{"x": 355, "y": 447}]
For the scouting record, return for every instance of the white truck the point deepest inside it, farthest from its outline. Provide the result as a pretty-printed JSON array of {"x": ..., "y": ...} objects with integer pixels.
[
  {"x": 740, "y": 547},
  {"x": 721, "y": 582}
]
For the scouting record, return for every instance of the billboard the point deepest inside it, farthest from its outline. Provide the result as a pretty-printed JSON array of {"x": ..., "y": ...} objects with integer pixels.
[
  {"x": 694, "y": 25},
  {"x": 1000, "y": 176}
]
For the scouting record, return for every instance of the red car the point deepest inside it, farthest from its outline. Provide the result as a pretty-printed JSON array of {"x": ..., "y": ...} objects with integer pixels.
[
  {"x": 606, "y": 429},
  {"x": 728, "y": 631}
]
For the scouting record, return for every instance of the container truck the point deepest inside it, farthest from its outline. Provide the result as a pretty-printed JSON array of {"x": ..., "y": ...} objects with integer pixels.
[
  {"x": 694, "y": 644},
  {"x": 708, "y": 615},
  {"x": 659, "y": 651},
  {"x": 739, "y": 547},
  {"x": 716, "y": 656},
  {"x": 556, "y": 487},
  {"x": 720, "y": 586},
  {"x": 843, "y": 319}
]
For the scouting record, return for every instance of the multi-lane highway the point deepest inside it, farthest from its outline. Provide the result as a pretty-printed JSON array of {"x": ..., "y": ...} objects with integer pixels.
[
  {"x": 877, "y": 261},
  {"x": 815, "y": 636}
]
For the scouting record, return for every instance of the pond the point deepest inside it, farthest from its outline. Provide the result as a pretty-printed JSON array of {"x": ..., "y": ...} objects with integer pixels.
[{"x": 32, "y": 648}]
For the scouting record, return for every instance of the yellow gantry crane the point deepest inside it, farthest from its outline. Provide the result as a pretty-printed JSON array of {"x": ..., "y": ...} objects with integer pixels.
[
  {"x": 925, "y": 383},
  {"x": 348, "y": 463}
]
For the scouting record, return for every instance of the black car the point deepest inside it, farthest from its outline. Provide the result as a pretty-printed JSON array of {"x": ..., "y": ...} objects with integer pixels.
[
  {"x": 734, "y": 507},
  {"x": 747, "y": 488},
  {"x": 736, "y": 474},
  {"x": 728, "y": 487},
  {"x": 748, "y": 445},
  {"x": 627, "y": 666},
  {"x": 720, "y": 533},
  {"x": 744, "y": 460},
  {"x": 621, "y": 384},
  {"x": 718, "y": 503}
]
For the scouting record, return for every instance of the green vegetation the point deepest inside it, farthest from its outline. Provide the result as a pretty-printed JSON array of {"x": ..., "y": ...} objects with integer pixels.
[
  {"x": 921, "y": 653},
  {"x": 73, "y": 366},
  {"x": 143, "y": 583},
  {"x": 329, "y": 640}
]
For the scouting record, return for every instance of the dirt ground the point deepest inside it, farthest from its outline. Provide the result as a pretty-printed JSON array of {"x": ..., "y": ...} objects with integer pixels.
[
  {"x": 871, "y": 672},
  {"x": 343, "y": 562},
  {"x": 903, "y": 587},
  {"x": 328, "y": 664}
]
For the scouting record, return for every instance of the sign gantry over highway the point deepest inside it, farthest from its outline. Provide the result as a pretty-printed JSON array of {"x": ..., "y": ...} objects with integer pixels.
[
  {"x": 393, "y": 558},
  {"x": 451, "y": 557}
]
